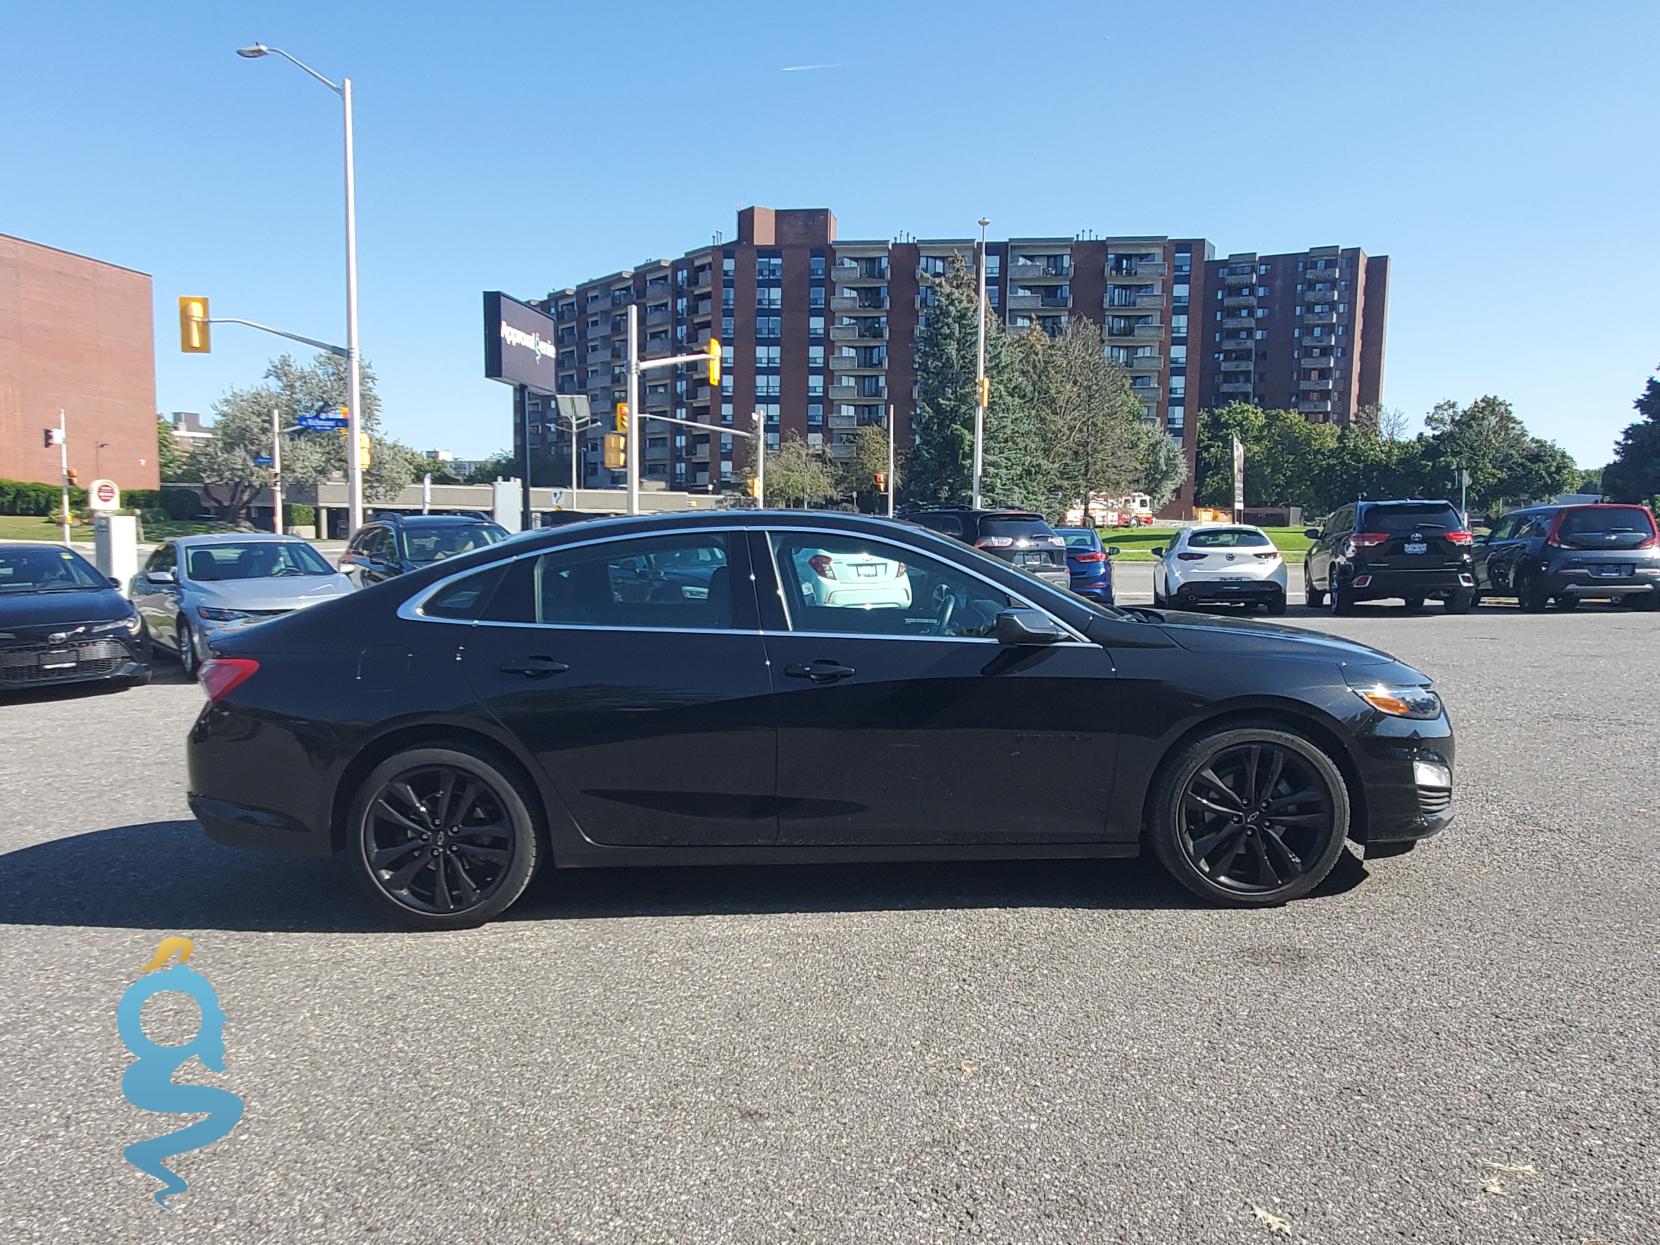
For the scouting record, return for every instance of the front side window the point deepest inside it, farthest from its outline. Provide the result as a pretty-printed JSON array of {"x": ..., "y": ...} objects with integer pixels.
[
  {"x": 678, "y": 581},
  {"x": 854, "y": 585}
]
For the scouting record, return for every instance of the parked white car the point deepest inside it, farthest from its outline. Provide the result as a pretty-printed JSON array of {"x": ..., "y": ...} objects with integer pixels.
[
  {"x": 852, "y": 579},
  {"x": 1223, "y": 562}
]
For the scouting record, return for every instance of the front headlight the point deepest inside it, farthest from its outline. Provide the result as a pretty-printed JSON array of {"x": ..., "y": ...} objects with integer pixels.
[
  {"x": 133, "y": 623},
  {"x": 214, "y": 613},
  {"x": 1402, "y": 702}
]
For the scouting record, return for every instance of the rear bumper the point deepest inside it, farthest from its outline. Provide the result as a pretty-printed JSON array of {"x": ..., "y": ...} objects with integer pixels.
[
  {"x": 1583, "y": 583},
  {"x": 1369, "y": 585},
  {"x": 1249, "y": 590},
  {"x": 241, "y": 825}
]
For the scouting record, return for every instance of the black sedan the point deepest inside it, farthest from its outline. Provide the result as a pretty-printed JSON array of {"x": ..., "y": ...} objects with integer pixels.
[
  {"x": 63, "y": 622},
  {"x": 567, "y": 699}
]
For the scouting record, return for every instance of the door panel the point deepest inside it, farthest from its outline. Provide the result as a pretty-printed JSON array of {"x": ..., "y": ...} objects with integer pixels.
[
  {"x": 651, "y": 715},
  {"x": 896, "y": 728}
]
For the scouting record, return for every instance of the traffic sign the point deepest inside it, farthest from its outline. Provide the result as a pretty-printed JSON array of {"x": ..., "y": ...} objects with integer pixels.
[
  {"x": 262, "y": 460},
  {"x": 322, "y": 423},
  {"x": 103, "y": 495}
]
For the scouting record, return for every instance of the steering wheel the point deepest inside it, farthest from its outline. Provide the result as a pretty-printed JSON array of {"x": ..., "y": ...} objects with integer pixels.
[{"x": 946, "y": 608}]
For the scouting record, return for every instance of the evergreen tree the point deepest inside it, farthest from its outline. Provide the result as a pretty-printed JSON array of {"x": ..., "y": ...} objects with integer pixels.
[{"x": 1634, "y": 475}]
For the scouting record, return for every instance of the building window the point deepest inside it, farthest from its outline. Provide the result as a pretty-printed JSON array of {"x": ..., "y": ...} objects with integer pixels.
[
  {"x": 815, "y": 385},
  {"x": 1178, "y": 294},
  {"x": 1178, "y": 356},
  {"x": 815, "y": 414},
  {"x": 994, "y": 266},
  {"x": 815, "y": 267},
  {"x": 769, "y": 328},
  {"x": 769, "y": 297},
  {"x": 767, "y": 356},
  {"x": 1178, "y": 325},
  {"x": 815, "y": 328},
  {"x": 769, "y": 267},
  {"x": 1174, "y": 415},
  {"x": 815, "y": 356},
  {"x": 728, "y": 266},
  {"x": 815, "y": 297}
]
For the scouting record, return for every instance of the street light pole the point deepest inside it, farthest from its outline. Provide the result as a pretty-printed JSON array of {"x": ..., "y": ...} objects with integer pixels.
[
  {"x": 633, "y": 409},
  {"x": 891, "y": 481},
  {"x": 276, "y": 472},
  {"x": 979, "y": 373},
  {"x": 354, "y": 367},
  {"x": 760, "y": 459}
]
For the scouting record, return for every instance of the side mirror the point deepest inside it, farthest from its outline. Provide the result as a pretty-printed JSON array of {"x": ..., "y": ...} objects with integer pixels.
[
  {"x": 1158, "y": 551},
  {"x": 1024, "y": 626},
  {"x": 114, "y": 582},
  {"x": 1112, "y": 551},
  {"x": 161, "y": 577},
  {"x": 1313, "y": 533}
]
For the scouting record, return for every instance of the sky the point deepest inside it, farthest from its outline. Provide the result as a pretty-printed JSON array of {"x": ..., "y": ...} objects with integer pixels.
[{"x": 1501, "y": 153}]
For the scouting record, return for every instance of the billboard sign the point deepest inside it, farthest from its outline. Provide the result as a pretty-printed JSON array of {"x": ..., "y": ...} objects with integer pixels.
[{"x": 518, "y": 343}]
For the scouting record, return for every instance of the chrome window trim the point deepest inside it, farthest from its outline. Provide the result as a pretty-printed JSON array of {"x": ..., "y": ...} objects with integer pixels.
[{"x": 410, "y": 609}]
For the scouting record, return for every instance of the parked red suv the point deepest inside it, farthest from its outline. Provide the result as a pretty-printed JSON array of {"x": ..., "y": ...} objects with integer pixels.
[{"x": 1567, "y": 554}]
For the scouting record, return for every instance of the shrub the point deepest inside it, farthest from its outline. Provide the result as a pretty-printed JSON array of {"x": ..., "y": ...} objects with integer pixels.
[
  {"x": 300, "y": 515},
  {"x": 31, "y": 497}
]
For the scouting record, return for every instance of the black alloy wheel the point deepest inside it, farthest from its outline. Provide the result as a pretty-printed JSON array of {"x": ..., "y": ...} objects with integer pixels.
[
  {"x": 442, "y": 838},
  {"x": 1251, "y": 816},
  {"x": 1342, "y": 599},
  {"x": 189, "y": 660}
]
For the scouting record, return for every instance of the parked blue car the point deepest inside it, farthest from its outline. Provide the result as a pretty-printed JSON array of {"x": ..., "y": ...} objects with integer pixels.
[{"x": 1089, "y": 563}]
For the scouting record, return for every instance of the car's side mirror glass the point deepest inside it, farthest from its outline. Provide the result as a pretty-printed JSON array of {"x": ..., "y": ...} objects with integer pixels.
[
  {"x": 1112, "y": 551},
  {"x": 1313, "y": 533},
  {"x": 1028, "y": 626},
  {"x": 1158, "y": 551},
  {"x": 160, "y": 577}
]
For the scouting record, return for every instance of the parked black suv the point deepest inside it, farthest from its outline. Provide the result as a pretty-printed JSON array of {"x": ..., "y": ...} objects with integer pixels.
[
  {"x": 1017, "y": 537},
  {"x": 1568, "y": 553},
  {"x": 394, "y": 544},
  {"x": 1409, "y": 549}
]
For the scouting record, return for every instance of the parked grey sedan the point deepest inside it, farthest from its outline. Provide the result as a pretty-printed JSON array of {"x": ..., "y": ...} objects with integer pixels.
[{"x": 196, "y": 588}]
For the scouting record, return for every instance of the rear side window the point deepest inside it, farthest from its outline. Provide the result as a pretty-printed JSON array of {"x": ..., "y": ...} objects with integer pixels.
[
  {"x": 680, "y": 582},
  {"x": 950, "y": 524},
  {"x": 464, "y": 600},
  {"x": 1229, "y": 538},
  {"x": 1599, "y": 520},
  {"x": 1412, "y": 518}
]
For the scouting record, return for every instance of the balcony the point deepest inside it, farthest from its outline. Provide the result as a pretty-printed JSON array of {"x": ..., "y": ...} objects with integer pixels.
[
  {"x": 1314, "y": 407},
  {"x": 1146, "y": 393},
  {"x": 1145, "y": 363},
  {"x": 1134, "y": 331},
  {"x": 1326, "y": 385},
  {"x": 1235, "y": 386},
  {"x": 1238, "y": 365},
  {"x": 844, "y": 332},
  {"x": 1149, "y": 302},
  {"x": 1233, "y": 279},
  {"x": 702, "y": 279},
  {"x": 1022, "y": 271},
  {"x": 1313, "y": 317},
  {"x": 837, "y": 420},
  {"x": 853, "y": 274},
  {"x": 866, "y": 305},
  {"x": 844, "y": 302},
  {"x": 844, "y": 392},
  {"x": 1138, "y": 271},
  {"x": 1239, "y": 322},
  {"x": 843, "y": 362},
  {"x": 1240, "y": 300}
]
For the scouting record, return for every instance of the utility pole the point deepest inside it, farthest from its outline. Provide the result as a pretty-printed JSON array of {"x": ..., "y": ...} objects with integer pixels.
[
  {"x": 525, "y": 517},
  {"x": 760, "y": 460},
  {"x": 63, "y": 466},
  {"x": 633, "y": 448},
  {"x": 979, "y": 373},
  {"x": 276, "y": 472},
  {"x": 891, "y": 482}
]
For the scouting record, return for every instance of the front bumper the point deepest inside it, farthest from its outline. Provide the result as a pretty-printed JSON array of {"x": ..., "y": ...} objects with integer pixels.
[
  {"x": 1407, "y": 779},
  {"x": 88, "y": 661}
]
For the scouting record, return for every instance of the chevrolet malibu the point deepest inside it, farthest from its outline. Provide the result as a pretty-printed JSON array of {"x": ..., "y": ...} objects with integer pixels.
[{"x": 450, "y": 732}]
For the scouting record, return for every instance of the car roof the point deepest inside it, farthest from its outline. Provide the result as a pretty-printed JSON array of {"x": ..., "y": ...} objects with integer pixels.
[
  {"x": 1404, "y": 501},
  {"x": 233, "y": 538},
  {"x": 426, "y": 520}
]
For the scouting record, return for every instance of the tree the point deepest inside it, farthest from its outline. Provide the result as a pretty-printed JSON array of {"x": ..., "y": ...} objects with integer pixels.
[
  {"x": 1390, "y": 422},
  {"x": 856, "y": 474},
  {"x": 799, "y": 474},
  {"x": 242, "y": 434},
  {"x": 1505, "y": 462},
  {"x": 1634, "y": 475},
  {"x": 499, "y": 466},
  {"x": 1590, "y": 481},
  {"x": 172, "y": 461},
  {"x": 1164, "y": 465}
]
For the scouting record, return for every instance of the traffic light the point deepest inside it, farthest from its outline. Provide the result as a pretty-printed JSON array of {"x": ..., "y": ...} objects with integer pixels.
[
  {"x": 985, "y": 391},
  {"x": 195, "y": 335},
  {"x": 364, "y": 457},
  {"x": 755, "y": 487},
  {"x": 713, "y": 349},
  {"x": 616, "y": 451},
  {"x": 881, "y": 480},
  {"x": 72, "y": 477},
  {"x": 622, "y": 418}
]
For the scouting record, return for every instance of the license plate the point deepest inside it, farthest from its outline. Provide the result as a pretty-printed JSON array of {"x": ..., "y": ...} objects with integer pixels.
[
  {"x": 1609, "y": 572},
  {"x": 1417, "y": 546},
  {"x": 867, "y": 569},
  {"x": 60, "y": 660},
  {"x": 1231, "y": 579}
]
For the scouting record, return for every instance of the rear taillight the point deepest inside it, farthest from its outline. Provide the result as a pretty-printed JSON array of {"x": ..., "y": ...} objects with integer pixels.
[
  {"x": 1555, "y": 527},
  {"x": 1369, "y": 540},
  {"x": 994, "y": 542},
  {"x": 220, "y": 676},
  {"x": 821, "y": 566},
  {"x": 1090, "y": 557},
  {"x": 1460, "y": 538},
  {"x": 1191, "y": 557},
  {"x": 1269, "y": 556}
]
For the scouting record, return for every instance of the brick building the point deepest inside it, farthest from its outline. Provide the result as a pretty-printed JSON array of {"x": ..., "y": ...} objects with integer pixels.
[
  {"x": 76, "y": 333},
  {"x": 818, "y": 334}
]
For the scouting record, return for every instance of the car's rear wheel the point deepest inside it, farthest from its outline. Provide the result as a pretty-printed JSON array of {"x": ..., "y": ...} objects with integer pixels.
[
  {"x": 1160, "y": 601},
  {"x": 1460, "y": 601},
  {"x": 1342, "y": 599},
  {"x": 1276, "y": 605},
  {"x": 1567, "y": 604},
  {"x": 189, "y": 660},
  {"x": 1250, "y": 816},
  {"x": 1531, "y": 594},
  {"x": 1644, "y": 601},
  {"x": 442, "y": 837}
]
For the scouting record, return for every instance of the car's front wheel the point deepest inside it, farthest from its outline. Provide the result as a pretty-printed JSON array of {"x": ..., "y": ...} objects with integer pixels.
[
  {"x": 442, "y": 837},
  {"x": 189, "y": 660},
  {"x": 1251, "y": 816}
]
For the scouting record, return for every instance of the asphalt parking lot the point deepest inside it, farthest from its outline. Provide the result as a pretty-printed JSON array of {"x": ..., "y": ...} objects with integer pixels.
[{"x": 1460, "y": 1044}]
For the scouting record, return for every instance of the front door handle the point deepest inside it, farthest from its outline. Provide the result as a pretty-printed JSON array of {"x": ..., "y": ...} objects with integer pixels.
[
  {"x": 820, "y": 672},
  {"x": 534, "y": 667}
]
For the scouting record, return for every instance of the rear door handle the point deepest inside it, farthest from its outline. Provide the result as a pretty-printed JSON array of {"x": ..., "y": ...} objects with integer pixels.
[
  {"x": 534, "y": 667},
  {"x": 820, "y": 672}
]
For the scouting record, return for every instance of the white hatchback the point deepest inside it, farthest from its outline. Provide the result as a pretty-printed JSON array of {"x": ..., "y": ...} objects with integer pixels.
[
  {"x": 1227, "y": 562},
  {"x": 852, "y": 579}
]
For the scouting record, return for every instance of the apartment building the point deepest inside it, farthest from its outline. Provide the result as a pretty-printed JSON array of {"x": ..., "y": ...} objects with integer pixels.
[{"x": 818, "y": 335}]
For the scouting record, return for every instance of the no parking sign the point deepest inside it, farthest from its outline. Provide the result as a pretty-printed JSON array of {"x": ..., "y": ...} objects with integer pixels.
[{"x": 103, "y": 495}]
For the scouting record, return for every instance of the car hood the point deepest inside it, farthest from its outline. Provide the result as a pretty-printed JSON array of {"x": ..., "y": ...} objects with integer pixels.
[
  {"x": 289, "y": 592},
  {"x": 40, "y": 609},
  {"x": 1207, "y": 633}
]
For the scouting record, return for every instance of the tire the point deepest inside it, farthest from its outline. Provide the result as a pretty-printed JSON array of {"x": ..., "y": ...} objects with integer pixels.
[
  {"x": 137, "y": 680},
  {"x": 1460, "y": 601},
  {"x": 1647, "y": 602},
  {"x": 384, "y": 837},
  {"x": 1413, "y": 603},
  {"x": 1276, "y": 606},
  {"x": 1567, "y": 604},
  {"x": 1530, "y": 594},
  {"x": 1160, "y": 601},
  {"x": 1312, "y": 596},
  {"x": 1341, "y": 602},
  {"x": 189, "y": 660},
  {"x": 1261, "y": 863}
]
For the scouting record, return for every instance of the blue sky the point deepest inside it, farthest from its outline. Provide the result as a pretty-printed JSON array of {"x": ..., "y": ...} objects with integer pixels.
[{"x": 1501, "y": 153}]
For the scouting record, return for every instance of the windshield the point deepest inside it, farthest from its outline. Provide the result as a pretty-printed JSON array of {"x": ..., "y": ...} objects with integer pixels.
[
  {"x": 449, "y": 540},
  {"x": 1077, "y": 540},
  {"x": 253, "y": 559},
  {"x": 1435, "y": 516},
  {"x": 1226, "y": 538},
  {"x": 47, "y": 569}
]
